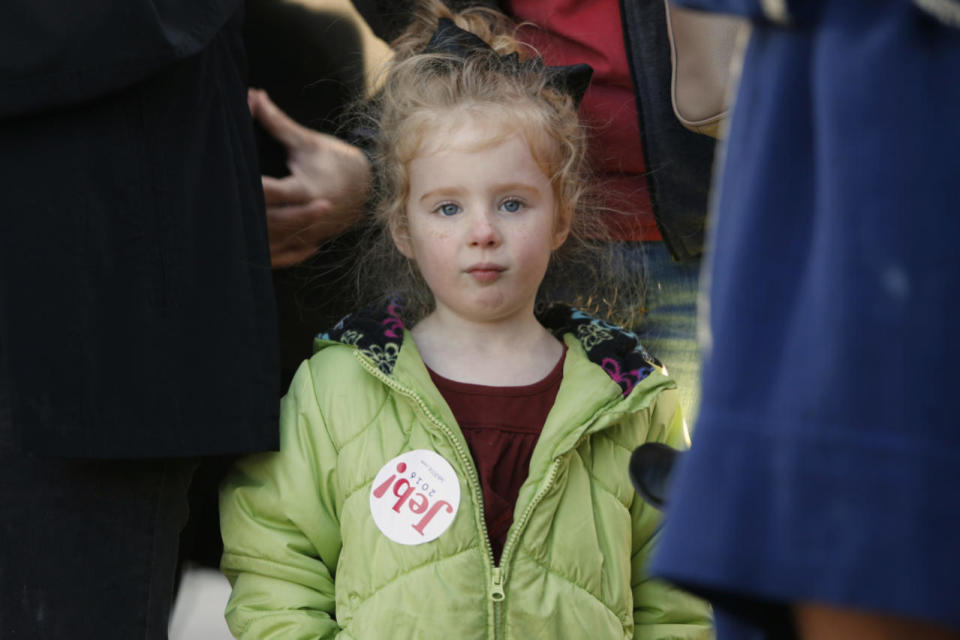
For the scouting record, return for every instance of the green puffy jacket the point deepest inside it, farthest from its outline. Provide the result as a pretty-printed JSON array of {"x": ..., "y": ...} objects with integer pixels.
[{"x": 307, "y": 560}]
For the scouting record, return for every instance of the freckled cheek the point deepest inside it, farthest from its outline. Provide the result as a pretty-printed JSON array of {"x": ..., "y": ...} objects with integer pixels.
[
  {"x": 436, "y": 262},
  {"x": 429, "y": 240},
  {"x": 535, "y": 253}
]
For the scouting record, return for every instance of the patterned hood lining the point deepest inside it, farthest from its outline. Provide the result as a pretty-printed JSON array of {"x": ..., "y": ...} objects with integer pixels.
[{"x": 377, "y": 332}]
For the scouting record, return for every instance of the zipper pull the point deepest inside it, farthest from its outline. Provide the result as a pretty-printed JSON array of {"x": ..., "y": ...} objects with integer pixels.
[{"x": 496, "y": 586}]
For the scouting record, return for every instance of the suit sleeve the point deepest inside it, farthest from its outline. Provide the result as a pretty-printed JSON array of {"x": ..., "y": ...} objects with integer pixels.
[
  {"x": 55, "y": 53},
  {"x": 660, "y": 610},
  {"x": 279, "y": 516}
]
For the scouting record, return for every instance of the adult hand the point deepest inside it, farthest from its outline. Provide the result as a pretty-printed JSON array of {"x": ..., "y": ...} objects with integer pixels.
[{"x": 324, "y": 194}]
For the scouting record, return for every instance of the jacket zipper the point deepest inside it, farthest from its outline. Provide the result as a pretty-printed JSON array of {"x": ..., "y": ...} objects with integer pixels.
[
  {"x": 497, "y": 594},
  {"x": 521, "y": 523},
  {"x": 498, "y": 574},
  {"x": 501, "y": 572}
]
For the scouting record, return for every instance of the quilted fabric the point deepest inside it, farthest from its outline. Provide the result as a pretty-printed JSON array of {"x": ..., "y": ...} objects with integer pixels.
[{"x": 307, "y": 559}]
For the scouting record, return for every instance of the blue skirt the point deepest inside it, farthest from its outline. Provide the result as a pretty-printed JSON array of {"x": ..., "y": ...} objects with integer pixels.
[{"x": 826, "y": 462}]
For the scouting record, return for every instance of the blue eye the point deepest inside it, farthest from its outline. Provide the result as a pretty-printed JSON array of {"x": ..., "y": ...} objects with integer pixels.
[
  {"x": 512, "y": 205},
  {"x": 448, "y": 209}
]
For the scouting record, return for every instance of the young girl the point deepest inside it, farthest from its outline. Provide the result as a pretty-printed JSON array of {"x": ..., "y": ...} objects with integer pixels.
[{"x": 465, "y": 477}]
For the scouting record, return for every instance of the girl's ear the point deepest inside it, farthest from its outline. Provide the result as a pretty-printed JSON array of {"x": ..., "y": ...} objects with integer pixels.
[
  {"x": 401, "y": 239},
  {"x": 561, "y": 229}
]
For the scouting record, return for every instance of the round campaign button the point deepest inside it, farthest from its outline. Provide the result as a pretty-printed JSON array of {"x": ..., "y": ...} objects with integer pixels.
[{"x": 415, "y": 497}]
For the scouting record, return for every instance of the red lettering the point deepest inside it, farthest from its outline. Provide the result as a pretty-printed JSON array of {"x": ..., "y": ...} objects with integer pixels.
[
  {"x": 403, "y": 496},
  {"x": 418, "y": 503},
  {"x": 425, "y": 520},
  {"x": 382, "y": 489}
]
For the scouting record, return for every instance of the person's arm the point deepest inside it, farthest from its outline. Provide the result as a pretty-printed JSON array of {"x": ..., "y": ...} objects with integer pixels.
[
  {"x": 324, "y": 194},
  {"x": 60, "y": 54},
  {"x": 822, "y": 622},
  {"x": 661, "y": 610},
  {"x": 281, "y": 532},
  {"x": 329, "y": 179}
]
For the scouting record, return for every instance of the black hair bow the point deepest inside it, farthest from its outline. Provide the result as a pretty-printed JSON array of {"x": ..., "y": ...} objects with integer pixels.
[{"x": 450, "y": 39}]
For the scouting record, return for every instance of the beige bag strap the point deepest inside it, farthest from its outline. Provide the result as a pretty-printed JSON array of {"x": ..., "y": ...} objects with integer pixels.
[{"x": 702, "y": 49}]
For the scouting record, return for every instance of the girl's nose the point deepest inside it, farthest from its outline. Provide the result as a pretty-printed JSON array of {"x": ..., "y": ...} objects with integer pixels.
[{"x": 484, "y": 233}]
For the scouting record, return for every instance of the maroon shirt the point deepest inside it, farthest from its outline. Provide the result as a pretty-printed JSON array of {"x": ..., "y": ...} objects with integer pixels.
[{"x": 501, "y": 426}]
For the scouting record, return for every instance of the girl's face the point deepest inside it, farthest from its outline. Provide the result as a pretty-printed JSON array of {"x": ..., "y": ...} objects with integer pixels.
[{"x": 481, "y": 222}]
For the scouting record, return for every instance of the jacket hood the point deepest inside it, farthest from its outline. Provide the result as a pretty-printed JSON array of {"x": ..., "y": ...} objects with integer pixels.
[{"x": 377, "y": 332}]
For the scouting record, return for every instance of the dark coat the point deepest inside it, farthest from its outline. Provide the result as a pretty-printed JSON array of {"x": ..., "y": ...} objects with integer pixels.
[{"x": 136, "y": 308}]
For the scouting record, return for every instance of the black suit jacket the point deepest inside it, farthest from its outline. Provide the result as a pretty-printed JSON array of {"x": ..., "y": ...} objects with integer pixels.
[{"x": 136, "y": 308}]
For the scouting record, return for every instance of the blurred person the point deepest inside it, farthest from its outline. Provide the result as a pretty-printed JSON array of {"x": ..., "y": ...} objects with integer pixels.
[
  {"x": 821, "y": 498},
  {"x": 137, "y": 325},
  {"x": 314, "y": 57}
]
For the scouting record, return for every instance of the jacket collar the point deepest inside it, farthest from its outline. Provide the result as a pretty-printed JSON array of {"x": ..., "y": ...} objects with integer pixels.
[{"x": 377, "y": 332}]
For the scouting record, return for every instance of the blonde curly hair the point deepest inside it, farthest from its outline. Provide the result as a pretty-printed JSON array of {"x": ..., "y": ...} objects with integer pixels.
[{"x": 418, "y": 90}]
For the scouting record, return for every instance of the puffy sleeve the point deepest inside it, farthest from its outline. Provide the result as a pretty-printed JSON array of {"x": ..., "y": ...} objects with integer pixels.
[
  {"x": 279, "y": 516},
  {"x": 660, "y": 610}
]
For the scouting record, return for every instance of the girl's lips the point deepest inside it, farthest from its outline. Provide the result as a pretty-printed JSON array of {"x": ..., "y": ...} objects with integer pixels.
[{"x": 485, "y": 272}]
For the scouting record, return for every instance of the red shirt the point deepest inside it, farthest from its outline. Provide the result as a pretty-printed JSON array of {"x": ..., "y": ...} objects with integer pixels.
[
  {"x": 501, "y": 426},
  {"x": 572, "y": 31}
]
